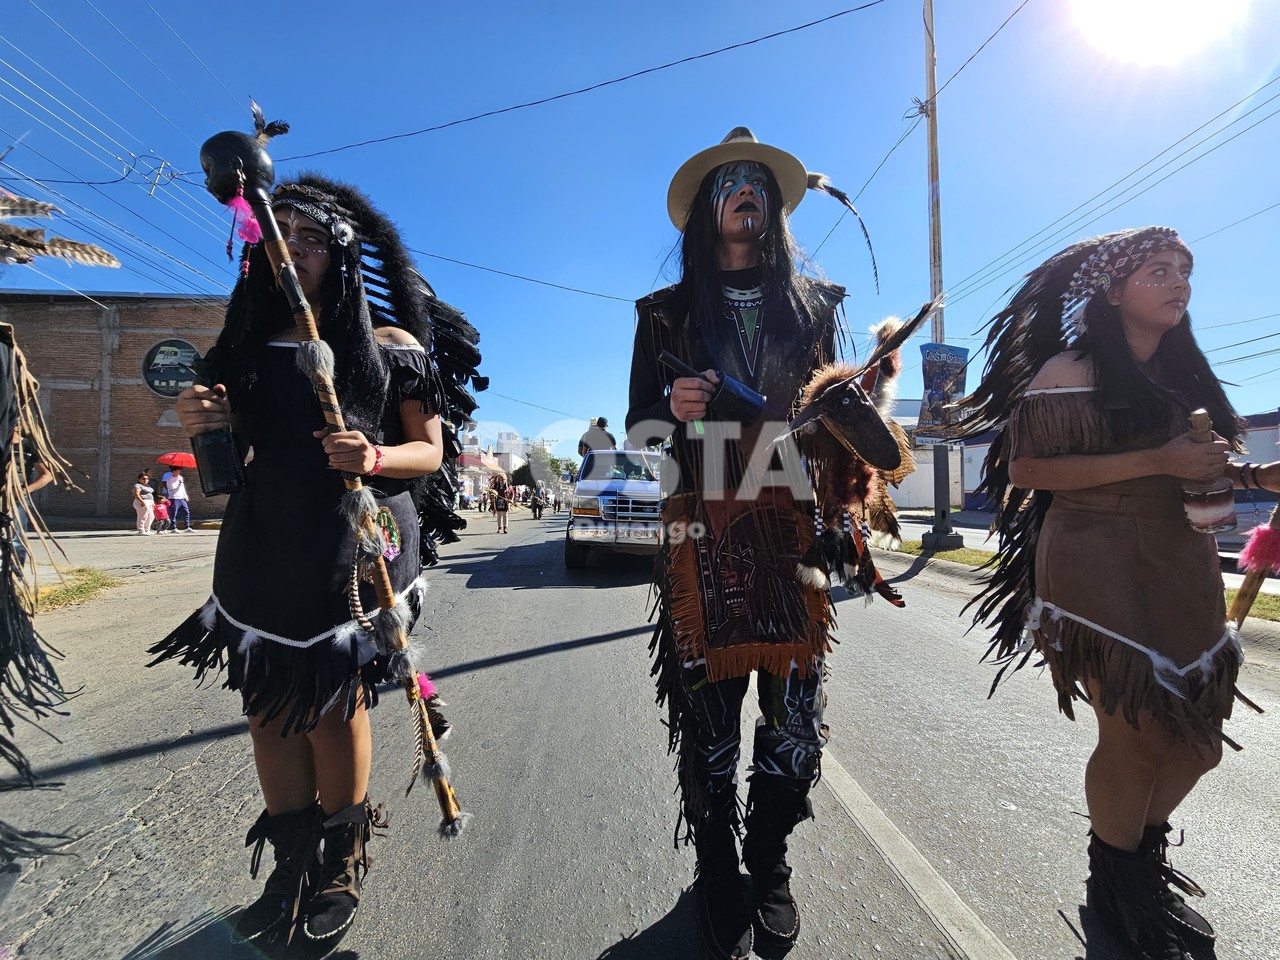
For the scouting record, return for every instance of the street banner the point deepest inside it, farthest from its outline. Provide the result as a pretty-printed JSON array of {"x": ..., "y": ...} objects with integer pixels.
[{"x": 943, "y": 367}]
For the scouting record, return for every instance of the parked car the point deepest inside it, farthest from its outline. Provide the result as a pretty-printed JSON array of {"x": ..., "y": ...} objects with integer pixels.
[{"x": 615, "y": 506}]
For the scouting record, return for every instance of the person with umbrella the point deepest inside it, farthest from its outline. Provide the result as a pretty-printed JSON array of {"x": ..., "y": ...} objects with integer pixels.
[{"x": 175, "y": 485}]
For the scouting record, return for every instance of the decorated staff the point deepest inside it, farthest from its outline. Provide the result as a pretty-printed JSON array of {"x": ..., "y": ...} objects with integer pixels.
[{"x": 315, "y": 592}]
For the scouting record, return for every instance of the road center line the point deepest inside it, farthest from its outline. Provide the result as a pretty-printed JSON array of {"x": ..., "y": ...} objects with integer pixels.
[{"x": 968, "y": 936}]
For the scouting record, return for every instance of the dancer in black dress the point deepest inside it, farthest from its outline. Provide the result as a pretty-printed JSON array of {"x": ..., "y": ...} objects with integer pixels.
[{"x": 286, "y": 612}]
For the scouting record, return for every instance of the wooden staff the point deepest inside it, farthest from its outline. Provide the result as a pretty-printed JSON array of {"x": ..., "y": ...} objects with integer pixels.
[{"x": 237, "y": 165}]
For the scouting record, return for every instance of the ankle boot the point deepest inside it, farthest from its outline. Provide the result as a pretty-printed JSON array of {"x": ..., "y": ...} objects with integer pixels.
[
  {"x": 1124, "y": 891},
  {"x": 723, "y": 915},
  {"x": 1194, "y": 929},
  {"x": 774, "y": 806},
  {"x": 294, "y": 839},
  {"x": 335, "y": 897}
]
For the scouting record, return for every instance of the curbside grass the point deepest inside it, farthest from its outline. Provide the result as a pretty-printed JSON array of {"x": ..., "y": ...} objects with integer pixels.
[{"x": 80, "y": 585}]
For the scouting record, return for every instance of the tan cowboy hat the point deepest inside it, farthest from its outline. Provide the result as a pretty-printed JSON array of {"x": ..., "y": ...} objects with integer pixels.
[{"x": 740, "y": 144}]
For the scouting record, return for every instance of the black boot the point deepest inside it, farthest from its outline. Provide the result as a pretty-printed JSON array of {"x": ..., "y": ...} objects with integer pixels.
[
  {"x": 294, "y": 838},
  {"x": 1124, "y": 891},
  {"x": 721, "y": 896},
  {"x": 774, "y": 806},
  {"x": 1194, "y": 929},
  {"x": 330, "y": 912}
]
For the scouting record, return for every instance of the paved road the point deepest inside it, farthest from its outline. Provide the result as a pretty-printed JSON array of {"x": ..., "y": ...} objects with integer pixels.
[{"x": 943, "y": 818}]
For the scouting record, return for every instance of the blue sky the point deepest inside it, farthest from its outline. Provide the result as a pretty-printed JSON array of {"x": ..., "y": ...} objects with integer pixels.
[{"x": 573, "y": 192}]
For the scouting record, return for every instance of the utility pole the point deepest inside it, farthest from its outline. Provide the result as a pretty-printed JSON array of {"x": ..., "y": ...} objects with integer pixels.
[{"x": 941, "y": 537}]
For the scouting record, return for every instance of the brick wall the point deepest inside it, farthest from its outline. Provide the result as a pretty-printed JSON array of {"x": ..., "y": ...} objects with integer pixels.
[{"x": 102, "y": 416}]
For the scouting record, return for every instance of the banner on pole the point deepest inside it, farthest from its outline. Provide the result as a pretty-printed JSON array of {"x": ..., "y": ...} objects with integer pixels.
[{"x": 944, "y": 369}]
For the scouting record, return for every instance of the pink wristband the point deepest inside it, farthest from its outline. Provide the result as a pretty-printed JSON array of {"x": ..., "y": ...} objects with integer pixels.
[{"x": 377, "y": 461}]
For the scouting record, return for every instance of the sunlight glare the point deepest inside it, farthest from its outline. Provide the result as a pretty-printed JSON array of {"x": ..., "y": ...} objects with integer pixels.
[{"x": 1157, "y": 32}]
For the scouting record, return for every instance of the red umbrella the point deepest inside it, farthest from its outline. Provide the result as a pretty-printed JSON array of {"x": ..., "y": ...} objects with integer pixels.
[{"x": 177, "y": 459}]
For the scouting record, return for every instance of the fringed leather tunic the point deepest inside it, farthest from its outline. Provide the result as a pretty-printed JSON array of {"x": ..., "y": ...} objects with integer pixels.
[{"x": 1128, "y": 596}]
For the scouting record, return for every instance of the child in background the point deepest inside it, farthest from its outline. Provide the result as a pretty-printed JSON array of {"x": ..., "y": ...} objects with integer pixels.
[{"x": 163, "y": 520}]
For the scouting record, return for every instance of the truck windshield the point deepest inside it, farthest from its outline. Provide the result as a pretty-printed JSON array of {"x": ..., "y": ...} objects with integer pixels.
[{"x": 604, "y": 466}]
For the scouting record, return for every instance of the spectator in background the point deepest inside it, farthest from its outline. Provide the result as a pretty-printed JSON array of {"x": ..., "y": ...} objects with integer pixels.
[
  {"x": 597, "y": 438},
  {"x": 163, "y": 520},
  {"x": 179, "y": 507},
  {"x": 143, "y": 504}
]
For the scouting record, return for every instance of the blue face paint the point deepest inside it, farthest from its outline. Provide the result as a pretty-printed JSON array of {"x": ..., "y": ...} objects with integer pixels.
[{"x": 729, "y": 179}]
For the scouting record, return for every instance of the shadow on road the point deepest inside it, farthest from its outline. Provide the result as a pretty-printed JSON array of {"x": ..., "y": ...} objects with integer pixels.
[
  {"x": 538, "y": 565},
  {"x": 546, "y": 649},
  {"x": 674, "y": 937},
  {"x": 1098, "y": 943},
  {"x": 918, "y": 564},
  {"x": 143, "y": 750},
  {"x": 206, "y": 938}
]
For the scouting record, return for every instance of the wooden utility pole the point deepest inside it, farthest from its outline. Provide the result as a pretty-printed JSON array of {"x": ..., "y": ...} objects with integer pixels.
[{"x": 941, "y": 537}]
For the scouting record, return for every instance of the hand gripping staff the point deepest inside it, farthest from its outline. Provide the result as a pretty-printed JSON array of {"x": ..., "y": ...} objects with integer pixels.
[{"x": 239, "y": 172}]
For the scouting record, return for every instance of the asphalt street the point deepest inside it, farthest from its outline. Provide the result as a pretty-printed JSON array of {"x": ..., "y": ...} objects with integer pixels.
[{"x": 946, "y": 822}]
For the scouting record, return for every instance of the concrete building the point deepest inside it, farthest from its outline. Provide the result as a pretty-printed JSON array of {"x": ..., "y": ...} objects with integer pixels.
[{"x": 108, "y": 415}]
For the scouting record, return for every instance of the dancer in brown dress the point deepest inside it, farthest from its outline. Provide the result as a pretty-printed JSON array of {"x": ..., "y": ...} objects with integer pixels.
[{"x": 1099, "y": 570}]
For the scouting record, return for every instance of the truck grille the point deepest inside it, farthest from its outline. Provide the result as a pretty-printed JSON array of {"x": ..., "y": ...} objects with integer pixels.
[{"x": 629, "y": 509}]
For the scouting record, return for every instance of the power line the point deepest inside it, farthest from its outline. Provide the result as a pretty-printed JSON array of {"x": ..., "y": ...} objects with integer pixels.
[
  {"x": 157, "y": 66},
  {"x": 844, "y": 213},
  {"x": 234, "y": 99},
  {"x": 979, "y": 50},
  {"x": 34, "y": 269},
  {"x": 581, "y": 90},
  {"x": 134, "y": 213},
  {"x": 1257, "y": 213},
  {"x": 1238, "y": 323},
  {"x": 517, "y": 276},
  {"x": 571, "y": 416},
  {"x": 984, "y": 270},
  {"x": 920, "y": 113},
  {"x": 71, "y": 204},
  {"x": 108, "y": 68},
  {"x": 91, "y": 156}
]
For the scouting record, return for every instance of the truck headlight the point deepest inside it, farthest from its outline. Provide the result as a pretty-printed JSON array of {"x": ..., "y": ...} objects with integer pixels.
[{"x": 586, "y": 506}]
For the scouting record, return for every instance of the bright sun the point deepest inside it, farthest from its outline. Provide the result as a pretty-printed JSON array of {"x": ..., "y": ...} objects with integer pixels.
[{"x": 1157, "y": 32}]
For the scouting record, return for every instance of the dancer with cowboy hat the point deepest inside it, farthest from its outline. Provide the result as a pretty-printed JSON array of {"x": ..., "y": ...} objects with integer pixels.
[{"x": 731, "y": 601}]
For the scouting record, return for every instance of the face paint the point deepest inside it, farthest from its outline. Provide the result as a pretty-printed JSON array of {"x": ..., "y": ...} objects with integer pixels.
[{"x": 726, "y": 184}]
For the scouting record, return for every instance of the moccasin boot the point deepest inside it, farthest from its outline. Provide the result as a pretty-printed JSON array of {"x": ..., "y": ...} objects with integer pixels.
[
  {"x": 774, "y": 806},
  {"x": 1124, "y": 892},
  {"x": 1196, "y": 932},
  {"x": 331, "y": 910},
  {"x": 295, "y": 842},
  {"x": 724, "y": 916}
]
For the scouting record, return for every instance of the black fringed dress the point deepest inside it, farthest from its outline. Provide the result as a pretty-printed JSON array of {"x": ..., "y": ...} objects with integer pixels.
[{"x": 281, "y": 617}]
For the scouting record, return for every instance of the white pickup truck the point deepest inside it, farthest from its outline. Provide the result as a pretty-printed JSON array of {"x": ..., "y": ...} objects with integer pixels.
[{"x": 615, "y": 505}]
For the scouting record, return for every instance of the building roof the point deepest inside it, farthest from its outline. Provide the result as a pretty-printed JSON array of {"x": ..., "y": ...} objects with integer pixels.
[{"x": 24, "y": 295}]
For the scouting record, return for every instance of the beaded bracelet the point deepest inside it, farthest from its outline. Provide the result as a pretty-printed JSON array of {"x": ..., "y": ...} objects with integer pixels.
[
  {"x": 377, "y": 461},
  {"x": 1243, "y": 481}
]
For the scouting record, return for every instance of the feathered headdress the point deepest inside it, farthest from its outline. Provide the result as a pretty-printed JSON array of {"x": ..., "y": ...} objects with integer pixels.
[{"x": 1042, "y": 316}]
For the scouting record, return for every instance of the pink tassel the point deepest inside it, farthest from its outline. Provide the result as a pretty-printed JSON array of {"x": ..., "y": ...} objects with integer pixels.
[
  {"x": 426, "y": 687},
  {"x": 1262, "y": 551},
  {"x": 247, "y": 227}
]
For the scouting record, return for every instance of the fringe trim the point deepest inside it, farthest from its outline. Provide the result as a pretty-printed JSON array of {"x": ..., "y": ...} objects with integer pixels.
[
  {"x": 1047, "y": 424},
  {"x": 277, "y": 677},
  {"x": 1190, "y": 701},
  {"x": 416, "y": 590}
]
